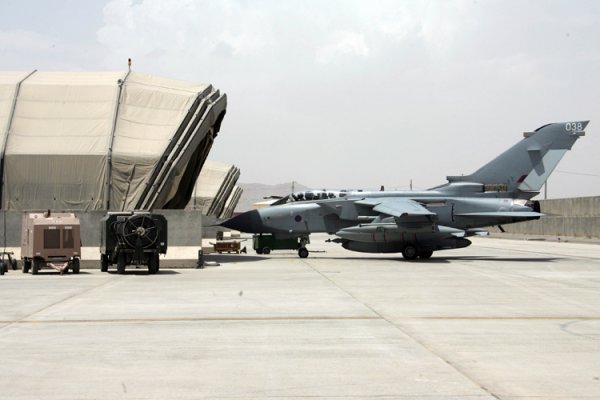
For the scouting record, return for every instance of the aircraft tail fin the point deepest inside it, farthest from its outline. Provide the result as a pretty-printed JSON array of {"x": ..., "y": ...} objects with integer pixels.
[{"x": 525, "y": 166}]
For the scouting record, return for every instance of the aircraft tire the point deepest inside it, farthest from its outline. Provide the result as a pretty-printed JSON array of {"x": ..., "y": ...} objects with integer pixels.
[
  {"x": 410, "y": 252},
  {"x": 2, "y": 268},
  {"x": 302, "y": 252},
  {"x": 266, "y": 250},
  {"x": 26, "y": 266},
  {"x": 425, "y": 255},
  {"x": 14, "y": 265}
]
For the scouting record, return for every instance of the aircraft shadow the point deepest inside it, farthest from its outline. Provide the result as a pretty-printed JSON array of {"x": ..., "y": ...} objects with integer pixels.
[
  {"x": 503, "y": 259},
  {"x": 417, "y": 261},
  {"x": 445, "y": 260}
]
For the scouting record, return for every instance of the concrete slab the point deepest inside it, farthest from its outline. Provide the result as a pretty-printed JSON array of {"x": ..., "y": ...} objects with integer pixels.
[{"x": 498, "y": 320}]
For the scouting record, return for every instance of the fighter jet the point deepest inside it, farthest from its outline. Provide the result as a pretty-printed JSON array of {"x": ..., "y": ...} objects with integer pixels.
[{"x": 418, "y": 223}]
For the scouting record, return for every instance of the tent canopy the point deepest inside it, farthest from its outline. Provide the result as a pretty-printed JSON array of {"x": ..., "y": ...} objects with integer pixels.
[
  {"x": 108, "y": 140},
  {"x": 215, "y": 187}
]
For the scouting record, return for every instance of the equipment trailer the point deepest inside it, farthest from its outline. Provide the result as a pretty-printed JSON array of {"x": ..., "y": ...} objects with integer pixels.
[
  {"x": 263, "y": 244},
  {"x": 132, "y": 238},
  {"x": 50, "y": 240}
]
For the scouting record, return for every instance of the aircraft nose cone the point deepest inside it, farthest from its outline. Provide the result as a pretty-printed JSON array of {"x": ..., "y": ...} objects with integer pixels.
[{"x": 249, "y": 222}]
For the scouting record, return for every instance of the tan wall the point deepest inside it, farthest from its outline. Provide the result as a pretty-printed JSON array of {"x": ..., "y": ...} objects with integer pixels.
[{"x": 578, "y": 217}]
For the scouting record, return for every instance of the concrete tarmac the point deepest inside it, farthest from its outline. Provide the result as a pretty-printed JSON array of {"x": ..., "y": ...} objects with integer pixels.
[{"x": 501, "y": 319}]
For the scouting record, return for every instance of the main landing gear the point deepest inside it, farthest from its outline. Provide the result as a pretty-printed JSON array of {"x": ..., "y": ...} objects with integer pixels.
[{"x": 411, "y": 252}]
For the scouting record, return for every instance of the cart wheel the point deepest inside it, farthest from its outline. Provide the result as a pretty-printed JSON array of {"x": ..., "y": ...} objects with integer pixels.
[
  {"x": 26, "y": 265},
  {"x": 36, "y": 266},
  {"x": 200, "y": 262},
  {"x": 103, "y": 263},
  {"x": 266, "y": 250},
  {"x": 153, "y": 263},
  {"x": 14, "y": 265},
  {"x": 121, "y": 263},
  {"x": 302, "y": 252},
  {"x": 76, "y": 265}
]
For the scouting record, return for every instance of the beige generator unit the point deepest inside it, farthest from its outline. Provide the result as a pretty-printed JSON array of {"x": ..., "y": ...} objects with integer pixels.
[{"x": 50, "y": 240}]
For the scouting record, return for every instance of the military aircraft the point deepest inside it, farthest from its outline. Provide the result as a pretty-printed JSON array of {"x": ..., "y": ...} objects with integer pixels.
[{"x": 417, "y": 223}]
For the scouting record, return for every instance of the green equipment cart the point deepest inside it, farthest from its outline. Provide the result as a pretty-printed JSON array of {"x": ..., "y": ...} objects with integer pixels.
[{"x": 263, "y": 244}]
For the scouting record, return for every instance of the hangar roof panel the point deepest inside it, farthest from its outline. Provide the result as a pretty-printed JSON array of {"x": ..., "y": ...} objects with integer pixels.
[
  {"x": 9, "y": 81},
  {"x": 64, "y": 113},
  {"x": 148, "y": 118},
  {"x": 232, "y": 202},
  {"x": 214, "y": 186}
]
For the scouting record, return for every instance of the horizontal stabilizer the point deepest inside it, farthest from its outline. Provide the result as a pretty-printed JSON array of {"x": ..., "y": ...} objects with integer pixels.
[{"x": 502, "y": 214}]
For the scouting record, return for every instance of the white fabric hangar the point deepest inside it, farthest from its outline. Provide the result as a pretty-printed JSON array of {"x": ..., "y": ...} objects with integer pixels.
[
  {"x": 214, "y": 189},
  {"x": 103, "y": 141},
  {"x": 232, "y": 202}
]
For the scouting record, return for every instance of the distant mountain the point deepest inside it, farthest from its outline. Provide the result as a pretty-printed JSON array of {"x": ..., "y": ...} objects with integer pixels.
[{"x": 255, "y": 192}]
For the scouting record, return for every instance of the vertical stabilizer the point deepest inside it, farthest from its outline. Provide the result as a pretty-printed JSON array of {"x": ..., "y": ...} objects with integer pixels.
[{"x": 526, "y": 165}]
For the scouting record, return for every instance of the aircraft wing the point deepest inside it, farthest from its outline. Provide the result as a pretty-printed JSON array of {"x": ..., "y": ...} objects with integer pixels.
[{"x": 399, "y": 207}]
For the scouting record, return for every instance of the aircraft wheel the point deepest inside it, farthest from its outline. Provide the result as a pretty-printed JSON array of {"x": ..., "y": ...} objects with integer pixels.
[
  {"x": 425, "y": 254},
  {"x": 409, "y": 252},
  {"x": 302, "y": 252},
  {"x": 14, "y": 265},
  {"x": 2, "y": 267},
  {"x": 258, "y": 251},
  {"x": 103, "y": 263},
  {"x": 266, "y": 250},
  {"x": 121, "y": 263},
  {"x": 75, "y": 265}
]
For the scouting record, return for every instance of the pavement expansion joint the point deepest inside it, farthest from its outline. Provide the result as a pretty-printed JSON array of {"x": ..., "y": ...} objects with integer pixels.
[
  {"x": 397, "y": 326},
  {"x": 60, "y": 301},
  {"x": 190, "y": 319}
]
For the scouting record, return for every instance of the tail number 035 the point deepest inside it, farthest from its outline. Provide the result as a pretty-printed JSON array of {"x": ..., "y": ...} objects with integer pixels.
[{"x": 573, "y": 126}]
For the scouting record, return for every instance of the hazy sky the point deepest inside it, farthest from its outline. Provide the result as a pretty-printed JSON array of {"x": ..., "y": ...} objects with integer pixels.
[{"x": 347, "y": 94}]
